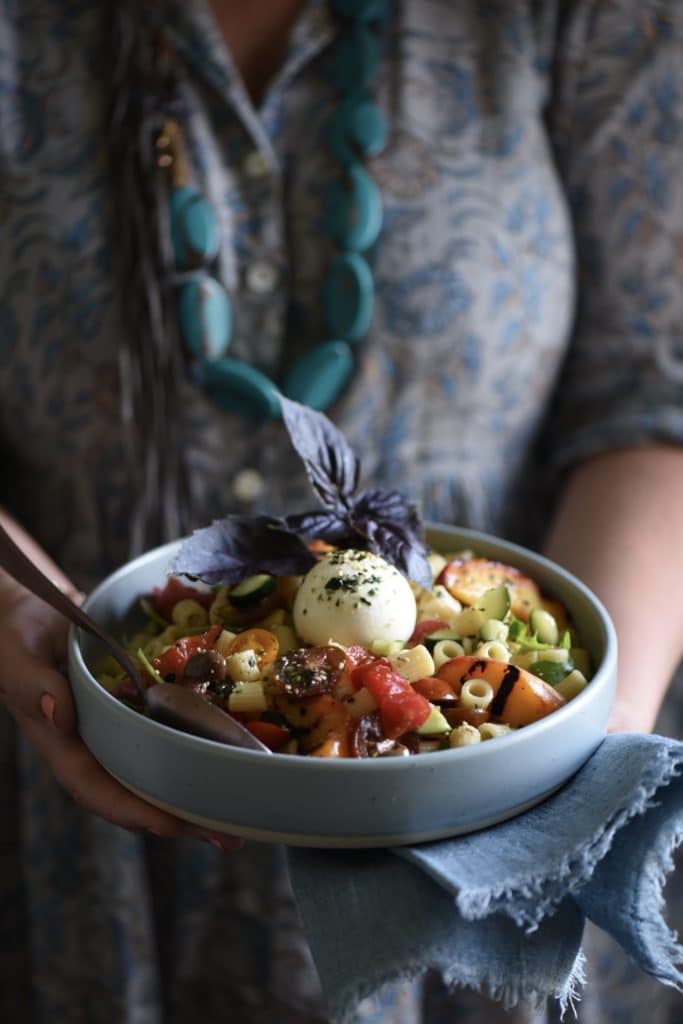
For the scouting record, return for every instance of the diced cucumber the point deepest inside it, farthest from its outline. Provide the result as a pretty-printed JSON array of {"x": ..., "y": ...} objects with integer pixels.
[
  {"x": 432, "y": 639},
  {"x": 495, "y": 602},
  {"x": 434, "y": 724},
  {"x": 252, "y": 590},
  {"x": 544, "y": 626}
]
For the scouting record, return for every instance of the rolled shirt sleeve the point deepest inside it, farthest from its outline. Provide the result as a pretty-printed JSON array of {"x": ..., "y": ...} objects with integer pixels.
[{"x": 617, "y": 121}]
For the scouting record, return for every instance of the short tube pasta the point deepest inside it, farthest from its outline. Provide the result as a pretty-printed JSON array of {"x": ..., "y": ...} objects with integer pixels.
[
  {"x": 464, "y": 735},
  {"x": 491, "y": 730},
  {"x": 476, "y": 693},
  {"x": 493, "y": 649},
  {"x": 572, "y": 684},
  {"x": 469, "y": 622},
  {"x": 248, "y": 697},
  {"x": 189, "y": 612},
  {"x": 444, "y": 650},
  {"x": 413, "y": 663},
  {"x": 438, "y": 604},
  {"x": 494, "y": 629}
]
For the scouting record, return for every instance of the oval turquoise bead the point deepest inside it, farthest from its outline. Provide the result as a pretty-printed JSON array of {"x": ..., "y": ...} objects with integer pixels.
[
  {"x": 195, "y": 231},
  {"x": 353, "y": 210},
  {"x": 368, "y": 128},
  {"x": 364, "y": 10},
  {"x": 353, "y": 58},
  {"x": 240, "y": 388},
  {"x": 205, "y": 317},
  {"x": 357, "y": 125},
  {"x": 348, "y": 294},
  {"x": 319, "y": 377}
]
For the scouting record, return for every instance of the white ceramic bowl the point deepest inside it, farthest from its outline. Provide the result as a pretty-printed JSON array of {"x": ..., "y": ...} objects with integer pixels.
[{"x": 345, "y": 803}]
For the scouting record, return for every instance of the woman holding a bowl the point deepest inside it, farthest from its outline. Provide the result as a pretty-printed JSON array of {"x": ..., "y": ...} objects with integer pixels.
[{"x": 456, "y": 227}]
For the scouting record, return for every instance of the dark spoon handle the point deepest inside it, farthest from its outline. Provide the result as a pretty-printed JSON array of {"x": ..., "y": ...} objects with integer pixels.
[
  {"x": 22, "y": 569},
  {"x": 169, "y": 703}
]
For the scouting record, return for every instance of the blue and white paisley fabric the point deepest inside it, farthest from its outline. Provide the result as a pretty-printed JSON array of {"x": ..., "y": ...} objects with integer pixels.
[{"x": 528, "y": 314}]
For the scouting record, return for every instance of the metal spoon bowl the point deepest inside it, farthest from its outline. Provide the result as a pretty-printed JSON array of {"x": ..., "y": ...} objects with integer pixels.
[{"x": 169, "y": 703}]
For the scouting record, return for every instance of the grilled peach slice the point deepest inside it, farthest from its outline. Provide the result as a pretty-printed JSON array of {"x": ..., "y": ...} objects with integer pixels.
[
  {"x": 468, "y": 580},
  {"x": 520, "y": 698}
]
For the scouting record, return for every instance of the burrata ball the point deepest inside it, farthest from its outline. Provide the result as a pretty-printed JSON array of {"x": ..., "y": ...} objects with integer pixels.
[{"x": 354, "y": 597}]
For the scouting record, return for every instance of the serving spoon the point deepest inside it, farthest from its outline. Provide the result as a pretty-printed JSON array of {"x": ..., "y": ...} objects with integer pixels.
[{"x": 169, "y": 703}]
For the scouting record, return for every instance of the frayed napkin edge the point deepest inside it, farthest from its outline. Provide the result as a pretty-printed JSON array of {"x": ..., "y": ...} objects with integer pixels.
[
  {"x": 668, "y": 939},
  {"x": 507, "y": 994},
  {"x": 660, "y": 936},
  {"x": 543, "y": 896}
]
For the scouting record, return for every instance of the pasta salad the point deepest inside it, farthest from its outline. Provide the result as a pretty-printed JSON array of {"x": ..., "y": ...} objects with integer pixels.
[{"x": 351, "y": 659}]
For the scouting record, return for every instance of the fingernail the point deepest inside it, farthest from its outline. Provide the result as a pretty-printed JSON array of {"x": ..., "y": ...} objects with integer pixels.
[{"x": 47, "y": 706}]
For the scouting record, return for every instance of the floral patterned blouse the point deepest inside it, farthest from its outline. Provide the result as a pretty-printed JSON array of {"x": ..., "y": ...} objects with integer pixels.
[{"x": 528, "y": 314}]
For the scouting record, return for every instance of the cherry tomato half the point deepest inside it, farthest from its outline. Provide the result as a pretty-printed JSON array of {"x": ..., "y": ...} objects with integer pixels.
[
  {"x": 262, "y": 642},
  {"x": 307, "y": 672}
]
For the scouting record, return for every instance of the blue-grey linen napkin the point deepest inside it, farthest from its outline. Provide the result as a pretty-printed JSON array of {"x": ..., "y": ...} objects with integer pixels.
[{"x": 502, "y": 910}]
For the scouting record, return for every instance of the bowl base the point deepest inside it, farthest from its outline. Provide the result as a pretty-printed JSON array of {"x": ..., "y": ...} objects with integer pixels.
[{"x": 341, "y": 842}]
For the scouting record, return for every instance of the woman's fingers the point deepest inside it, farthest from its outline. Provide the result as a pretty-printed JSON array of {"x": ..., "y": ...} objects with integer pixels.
[
  {"x": 37, "y": 694},
  {"x": 93, "y": 788},
  {"x": 33, "y": 690},
  {"x": 90, "y": 785}
]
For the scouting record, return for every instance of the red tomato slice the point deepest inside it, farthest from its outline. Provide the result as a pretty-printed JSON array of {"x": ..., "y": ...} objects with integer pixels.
[
  {"x": 274, "y": 736},
  {"x": 173, "y": 661},
  {"x": 401, "y": 709},
  {"x": 165, "y": 600}
]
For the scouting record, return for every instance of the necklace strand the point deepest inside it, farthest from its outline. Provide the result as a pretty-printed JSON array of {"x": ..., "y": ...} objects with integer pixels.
[{"x": 352, "y": 218}]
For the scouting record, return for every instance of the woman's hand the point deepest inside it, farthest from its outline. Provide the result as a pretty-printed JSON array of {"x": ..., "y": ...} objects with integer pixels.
[
  {"x": 619, "y": 528},
  {"x": 35, "y": 691}
]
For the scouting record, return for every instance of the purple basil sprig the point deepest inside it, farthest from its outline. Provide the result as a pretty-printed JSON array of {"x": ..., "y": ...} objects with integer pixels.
[
  {"x": 377, "y": 520},
  {"x": 240, "y": 546},
  {"x": 381, "y": 521}
]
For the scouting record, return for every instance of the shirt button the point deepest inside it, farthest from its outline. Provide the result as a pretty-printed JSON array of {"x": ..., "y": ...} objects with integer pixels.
[
  {"x": 255, "y": 165},
  {"x": 261, "y": 277},
  {"x": 247, "y": 486}
]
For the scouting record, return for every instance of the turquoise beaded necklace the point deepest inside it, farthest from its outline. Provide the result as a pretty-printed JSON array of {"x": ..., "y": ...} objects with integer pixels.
[{"x": 352, "y": 218}]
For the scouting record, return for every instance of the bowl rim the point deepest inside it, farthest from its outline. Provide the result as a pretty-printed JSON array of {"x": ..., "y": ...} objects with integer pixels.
[{"x": 605, "y": 672}]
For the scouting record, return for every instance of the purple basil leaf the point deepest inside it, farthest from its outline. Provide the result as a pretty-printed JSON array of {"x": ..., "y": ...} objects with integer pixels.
[
  {"x": 331, "y": 465},
  {"x": 380, "y": 521},
  {"x": 398, "y": 545},
  {"x": 318, "y": 524},
  {"x": 240, "y": 546},
  {"x": 381, "y": 504}
]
